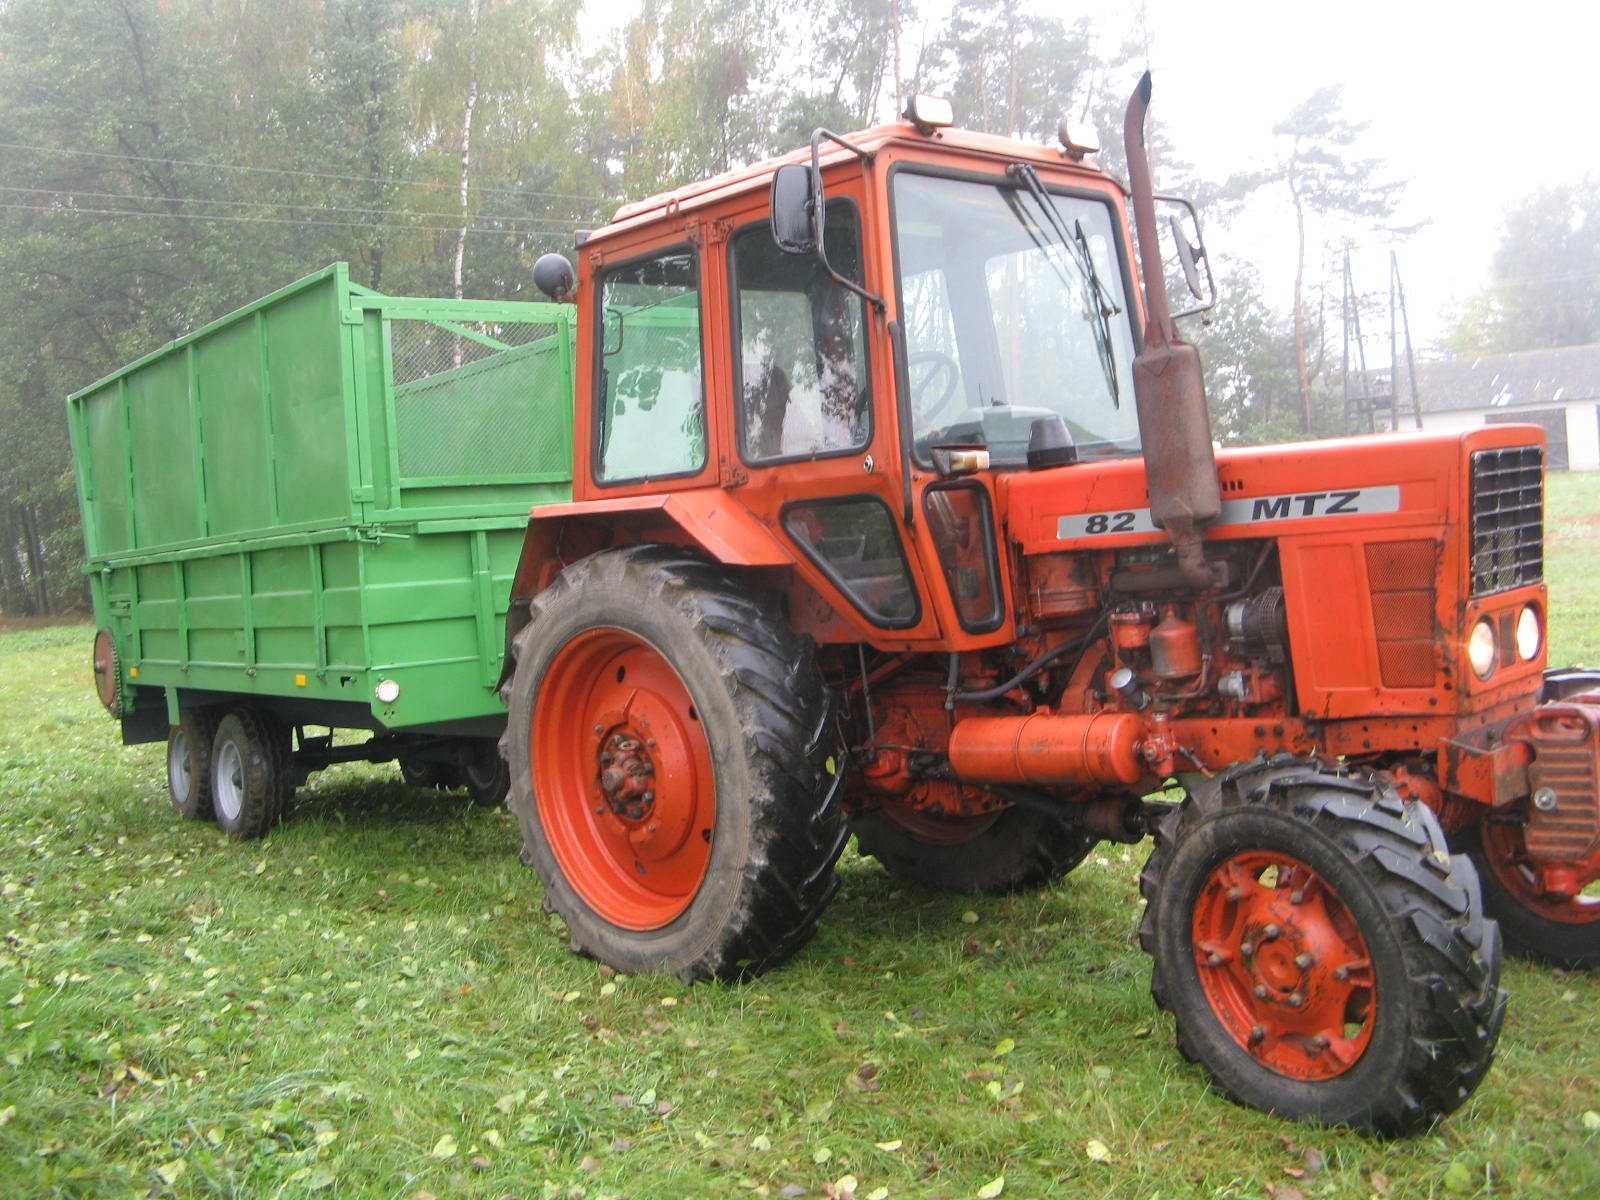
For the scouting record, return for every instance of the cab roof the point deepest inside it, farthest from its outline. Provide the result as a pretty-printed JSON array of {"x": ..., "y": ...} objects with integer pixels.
[{"x": 754, "y": 176}]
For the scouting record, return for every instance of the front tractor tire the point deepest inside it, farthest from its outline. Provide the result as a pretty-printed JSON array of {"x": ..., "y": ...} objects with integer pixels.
[
  {"x": 675, "y": 766},
  {"x": 1015, "y": 850},
  {"x": 1324, "y": 955}
]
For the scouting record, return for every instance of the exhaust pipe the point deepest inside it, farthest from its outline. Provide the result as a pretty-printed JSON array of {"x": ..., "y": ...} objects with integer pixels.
[{"x": 1169, "y": 391}]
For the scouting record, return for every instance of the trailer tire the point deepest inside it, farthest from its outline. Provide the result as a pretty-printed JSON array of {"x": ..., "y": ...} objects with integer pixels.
[
  {"x": 251, "y": 773},
  {"x": 741, "y": 712},
  {"x": 485, "y": 776},
  {"x": 1024, "y": 848},
  {"x": 189, "y": 763},
  {"x": 423, "y": 775},
  {"x": 1378, "y": 882}
]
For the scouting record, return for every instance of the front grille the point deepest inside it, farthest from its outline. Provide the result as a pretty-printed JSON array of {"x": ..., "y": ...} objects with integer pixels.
[{"x": 1507, "y": 518}]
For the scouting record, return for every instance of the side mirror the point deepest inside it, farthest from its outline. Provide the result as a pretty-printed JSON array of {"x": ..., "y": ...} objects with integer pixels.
[
  {"x": 1188, "y": 252},
  {"x": 553, "y": 275},
  {"x": 796, "y": 201}
]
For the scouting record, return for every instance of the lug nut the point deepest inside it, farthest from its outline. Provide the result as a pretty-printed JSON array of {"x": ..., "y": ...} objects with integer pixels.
[
  {"x": 1341, "y": 973},
  {"x": 1545, "y": 799},
  {"x": 1296, "y": 999},
  {"x": 1236, "y": 893},
  {"x": 1261, "y": 991},
  {"x": 1303, "y": 961},
  {"x": 1271, "y": 932},
  {"x": 1247, "y": 949},
  {"x": 1297, "y": 896},
  {"x": 1213, "y": 959},
  {"x": 1258, "y": 1034},
  {"x": 1316, "y": 1044}
]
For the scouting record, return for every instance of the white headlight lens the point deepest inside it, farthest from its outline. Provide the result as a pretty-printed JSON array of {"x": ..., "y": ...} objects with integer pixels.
[
  {"x": 1481, "y": 648},
  {"x": 387, "y": 691},
  {"x": 934, "y": 112},
  {"x": 1529, "y": 635}
]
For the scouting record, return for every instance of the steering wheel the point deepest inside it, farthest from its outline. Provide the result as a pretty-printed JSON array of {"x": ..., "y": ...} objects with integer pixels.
[{"x": 924, "y": 367}]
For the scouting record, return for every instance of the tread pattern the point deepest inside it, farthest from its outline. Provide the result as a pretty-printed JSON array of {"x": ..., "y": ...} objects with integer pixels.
[
  {"x": 200, "y": 726},
  {"x": 788, "y": 723},
  {"x": 1450, "y": 947},
  {"x": 274, "y": 741},
  {"x": 1528, "y": 933}
]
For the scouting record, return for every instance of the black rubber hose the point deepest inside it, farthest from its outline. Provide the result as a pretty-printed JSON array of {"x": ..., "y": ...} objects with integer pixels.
[{"x": 1033, "y": 668}]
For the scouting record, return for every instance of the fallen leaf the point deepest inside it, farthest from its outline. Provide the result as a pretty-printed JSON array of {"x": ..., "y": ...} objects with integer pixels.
[
  {"x": 1459, "y": 1179},
  {"x": 171, "y": 1172},
  {"x": 791, "y": 1190},
  {"x": 890, "y": 1146},
  {"x": 1097, "y": 1150},
  {"x": 319, "y": 1180},
  {"x": 761, "y": 1143},
  {"x": 481, "y": 1161},
  {"x": 844, "y": 1187},
  {"x": 1380, "y": 1183},
  {"x": 878, "y": 1193},
  {"x": 1590, "y": 1118},
  {"x": 702, "y": 1140},
  {"x": 821, "y": 1155},
  {"x": 1004, "y": 1047},
  {"x": 492, "y": 1136},
  {"x": 1284, "y": 1191},
  {"x": 445, "y": 1147},
  {"x": 819, "y": 1111},
  {"x": 993, "y": 1188},
  {"x": 589, "y": 1163},
  {"x": 10, "y": 1111},
  {"x": 1314, "y": 1160},
  {"x": 971, "y": 918}
]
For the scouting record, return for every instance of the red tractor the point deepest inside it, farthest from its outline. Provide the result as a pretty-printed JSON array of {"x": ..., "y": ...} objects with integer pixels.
[{"x": 897, "y": 513}]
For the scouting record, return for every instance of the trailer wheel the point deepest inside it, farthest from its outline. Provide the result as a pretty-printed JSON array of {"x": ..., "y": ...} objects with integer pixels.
[
  {"x": 486, "y": 776},
  {"x": 250, "y": 773},
  {"x": 1014, "y": 850},
  {"x": 674, "y": 765},
  {"x": 189, "y": 763},
  {"x": 1324, "y": 955},
  {"x": 441, "y": 777},
  {"x": 1561, "y": 930}
]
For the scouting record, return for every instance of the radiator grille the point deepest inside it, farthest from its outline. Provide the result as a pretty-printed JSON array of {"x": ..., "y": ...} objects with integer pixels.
[
  {"x": 1507, "y": 518},
  {"x": 1400, "y": 576}
]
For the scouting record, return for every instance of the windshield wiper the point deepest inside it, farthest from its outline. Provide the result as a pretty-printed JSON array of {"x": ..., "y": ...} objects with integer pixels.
[{"x": 1098, "y": 305}]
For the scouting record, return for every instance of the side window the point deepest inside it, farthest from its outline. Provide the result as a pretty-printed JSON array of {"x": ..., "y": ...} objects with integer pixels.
[
  {"x": 963, "y": 531},
  {"x": 651, "y": 381},
  {"x": 854, "y": 541},
  {"x": 802, "y": 354}
]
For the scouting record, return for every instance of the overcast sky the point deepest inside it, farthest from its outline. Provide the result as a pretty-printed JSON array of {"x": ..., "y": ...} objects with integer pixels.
[{"x": 1475, "y": 104}]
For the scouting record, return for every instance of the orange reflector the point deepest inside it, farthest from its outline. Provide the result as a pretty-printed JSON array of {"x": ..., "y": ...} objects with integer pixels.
[
  {"x": 299, "y": 681},
  {"x": 133, "y": 672}
]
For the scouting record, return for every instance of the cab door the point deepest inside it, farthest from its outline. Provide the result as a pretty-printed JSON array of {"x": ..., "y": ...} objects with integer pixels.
[{"x": 812, "y": 440}]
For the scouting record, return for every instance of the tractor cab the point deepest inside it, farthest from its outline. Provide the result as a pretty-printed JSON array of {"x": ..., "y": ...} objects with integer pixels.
[{"x": 845, "y": 349}]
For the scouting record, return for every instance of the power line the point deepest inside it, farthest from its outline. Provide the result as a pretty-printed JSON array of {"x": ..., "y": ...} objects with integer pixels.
[
  {"x": 217, "y": 166},
  {"x": 115, "y": 212},
  {"x": 329, "y": 208}
]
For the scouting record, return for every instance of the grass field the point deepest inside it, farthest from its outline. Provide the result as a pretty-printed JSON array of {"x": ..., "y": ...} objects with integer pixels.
[{"x": 371, "y": 1003}]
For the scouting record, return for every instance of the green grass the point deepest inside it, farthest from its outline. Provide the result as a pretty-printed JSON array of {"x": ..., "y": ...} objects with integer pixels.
[{"x": 315, "y": 1013}]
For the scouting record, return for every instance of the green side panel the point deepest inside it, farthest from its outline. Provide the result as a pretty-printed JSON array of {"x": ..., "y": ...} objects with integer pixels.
[
  {"x": 164, "y": 501},
  {"x": 306, "y": 377},
  {"x": 507, "y": 415},
  {"x": 233, "y": 418},
  {"x": 216, "y": 612},
  {"x": 283, "y": 607},
  {"x": 108, "y": 470}
]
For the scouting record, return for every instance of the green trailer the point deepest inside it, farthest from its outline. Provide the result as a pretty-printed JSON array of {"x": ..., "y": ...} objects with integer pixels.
[{"x": 307, "y": 515}]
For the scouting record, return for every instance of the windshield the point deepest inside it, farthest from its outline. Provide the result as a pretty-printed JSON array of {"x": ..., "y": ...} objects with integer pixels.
[{"x": 1012, "y": 314}]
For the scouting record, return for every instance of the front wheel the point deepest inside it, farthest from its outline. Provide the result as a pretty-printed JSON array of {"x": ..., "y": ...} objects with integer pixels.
[
  {"x": 251, "y": 773},
  {"x": 674, "y": 766},
  {"x": 1324, "y": 955},
  {"x": 1009, "y": 851},
  {"x": 1564, "y": 930}
]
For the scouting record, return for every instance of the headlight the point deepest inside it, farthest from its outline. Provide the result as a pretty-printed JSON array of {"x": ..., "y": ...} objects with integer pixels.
[
  {"x": 1481, "y": 648},
  {"x": 1529, "y": 635}
]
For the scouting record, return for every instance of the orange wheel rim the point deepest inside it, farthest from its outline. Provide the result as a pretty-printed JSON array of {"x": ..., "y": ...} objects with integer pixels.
[
  {"x": 1283, "y": 964},
  {"x": 1506, "y": 854},
  {"x": 623, "y": 779}
]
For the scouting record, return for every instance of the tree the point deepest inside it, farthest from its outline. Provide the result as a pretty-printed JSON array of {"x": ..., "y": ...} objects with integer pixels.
[
  {"x": 1323, "y": 180},
  {"x": 1248, "y": 351},
  {"x": 1544, "y": 278}
]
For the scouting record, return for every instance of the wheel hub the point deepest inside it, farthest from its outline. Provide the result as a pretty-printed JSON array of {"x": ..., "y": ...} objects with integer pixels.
[
  {"x": 627, "y": 775},
  {"x": 1284, "y": 965}
]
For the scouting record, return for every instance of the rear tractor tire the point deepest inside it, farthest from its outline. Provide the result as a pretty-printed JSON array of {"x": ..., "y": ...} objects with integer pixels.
[
  {"x": 189, "y": 763},
  {"x": 1325, "y": 957},
  {"x": 1019, "y": 849},
  {"x": 251, "y": 773},
  {"x": 675, "y": 766}
]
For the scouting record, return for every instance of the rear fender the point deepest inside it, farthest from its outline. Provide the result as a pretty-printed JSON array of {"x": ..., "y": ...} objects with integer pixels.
[{"x": 703, "y": 518}]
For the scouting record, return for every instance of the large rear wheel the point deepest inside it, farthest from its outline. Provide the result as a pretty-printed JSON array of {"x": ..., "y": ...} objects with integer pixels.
[
  {"x": 251, "y": 773},
  {"x": 674, "y": 766},
  {"x": 1325, "y": 957},
  {"x": 1564, "y": 930}
]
